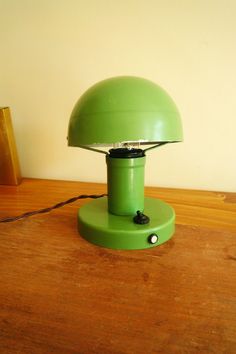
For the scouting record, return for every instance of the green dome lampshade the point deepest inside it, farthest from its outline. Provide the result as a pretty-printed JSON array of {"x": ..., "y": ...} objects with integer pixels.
[
  {"x": 123, "y": 112},
  {"x": 124, "y": 109}
]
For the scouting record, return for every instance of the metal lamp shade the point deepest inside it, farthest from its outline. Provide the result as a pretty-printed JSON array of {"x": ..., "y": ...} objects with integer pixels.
[{"x": 124, "y": 109}]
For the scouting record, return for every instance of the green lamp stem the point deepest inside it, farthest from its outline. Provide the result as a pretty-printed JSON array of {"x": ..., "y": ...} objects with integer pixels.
[{"x": 125, "y": 180}]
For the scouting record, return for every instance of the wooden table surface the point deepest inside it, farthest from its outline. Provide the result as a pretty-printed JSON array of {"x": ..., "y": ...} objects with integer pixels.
[{"x": 60, "y": 294}]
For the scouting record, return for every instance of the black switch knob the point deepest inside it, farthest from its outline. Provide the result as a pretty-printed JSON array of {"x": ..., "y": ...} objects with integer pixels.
[{"x": 140, "y": 218}]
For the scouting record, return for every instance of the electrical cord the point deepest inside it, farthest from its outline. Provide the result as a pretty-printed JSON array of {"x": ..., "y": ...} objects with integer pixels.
[{"x": 47, "y": 210}]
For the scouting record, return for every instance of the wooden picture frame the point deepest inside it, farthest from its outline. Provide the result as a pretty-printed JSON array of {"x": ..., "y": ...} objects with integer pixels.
[{"x": 9, "y": 163}]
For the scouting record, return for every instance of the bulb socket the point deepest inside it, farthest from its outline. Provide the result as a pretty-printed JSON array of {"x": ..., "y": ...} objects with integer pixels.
[{"x": 124, "y": 153}]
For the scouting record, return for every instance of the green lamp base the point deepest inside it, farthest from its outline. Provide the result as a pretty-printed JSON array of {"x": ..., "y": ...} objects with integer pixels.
[{"x": 98, "y": 226}]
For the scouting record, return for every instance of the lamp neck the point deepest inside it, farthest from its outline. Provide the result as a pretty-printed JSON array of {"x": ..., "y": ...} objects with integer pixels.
[{"x": 125, "y": 180}]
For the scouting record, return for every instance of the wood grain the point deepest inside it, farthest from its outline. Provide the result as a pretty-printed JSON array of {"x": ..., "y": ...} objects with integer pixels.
[{"x": 60, "y": 294}]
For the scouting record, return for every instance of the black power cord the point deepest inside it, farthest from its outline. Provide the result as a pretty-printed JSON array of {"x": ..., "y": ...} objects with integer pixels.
[{"x": 47, "y": 210}]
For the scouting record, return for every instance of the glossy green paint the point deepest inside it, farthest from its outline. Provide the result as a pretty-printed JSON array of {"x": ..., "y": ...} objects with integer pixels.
[
  {"x": 115, "y": 111},
  {"x": 98, "y": 226},
  {"x": 124, "y": 109},
  {"x": 125, "y": 180}
]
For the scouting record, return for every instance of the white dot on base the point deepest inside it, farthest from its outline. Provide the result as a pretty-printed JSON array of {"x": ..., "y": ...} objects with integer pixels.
[{"x": 153, "y": 239}]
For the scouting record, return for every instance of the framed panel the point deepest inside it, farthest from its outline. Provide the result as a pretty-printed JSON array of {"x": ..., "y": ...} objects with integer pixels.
[{"x": 9, "y": 162}]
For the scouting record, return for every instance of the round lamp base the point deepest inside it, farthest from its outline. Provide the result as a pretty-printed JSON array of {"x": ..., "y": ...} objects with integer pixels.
[{"x": 98, "y": 226}]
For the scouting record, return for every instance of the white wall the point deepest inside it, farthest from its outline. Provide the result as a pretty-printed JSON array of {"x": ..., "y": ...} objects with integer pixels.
[{"x": 53, "y": 50}]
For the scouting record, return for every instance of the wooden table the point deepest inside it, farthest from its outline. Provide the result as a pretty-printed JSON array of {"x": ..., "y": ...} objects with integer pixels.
[{"x": 60, "y": 294}]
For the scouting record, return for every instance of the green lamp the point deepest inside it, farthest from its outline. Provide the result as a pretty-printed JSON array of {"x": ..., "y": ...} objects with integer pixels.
[{"x": 130, "y": 115}]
